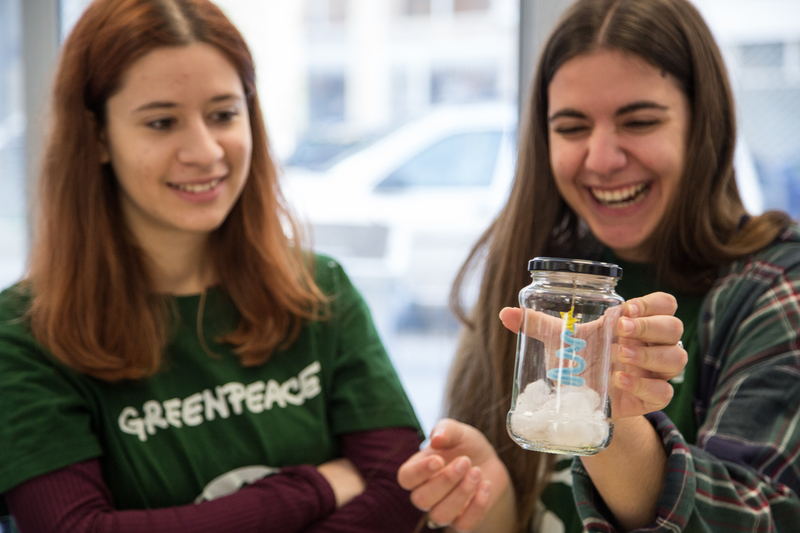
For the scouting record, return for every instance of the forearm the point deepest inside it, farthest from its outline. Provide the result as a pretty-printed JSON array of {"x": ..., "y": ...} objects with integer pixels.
[
  {"x": 384, "y": 505},
  {"x": 77, "y": 499},
  {"x": 630, "y": 473}
]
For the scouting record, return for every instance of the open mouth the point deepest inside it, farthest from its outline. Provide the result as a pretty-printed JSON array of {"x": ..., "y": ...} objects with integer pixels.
[
  {"x": 196, "y": 188},
  {"x": 622, "y": 197}
]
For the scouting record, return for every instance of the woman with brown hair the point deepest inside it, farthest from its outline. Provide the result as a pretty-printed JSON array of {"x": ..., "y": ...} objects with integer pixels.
[
  {"x": 627, "y": 157},
  {"x": 173, "y": 361}
]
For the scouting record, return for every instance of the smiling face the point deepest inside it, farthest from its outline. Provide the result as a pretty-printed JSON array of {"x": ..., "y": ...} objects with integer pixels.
[
  {"x": 618, "y": 129},
  {"x": 178, "y": 138}
]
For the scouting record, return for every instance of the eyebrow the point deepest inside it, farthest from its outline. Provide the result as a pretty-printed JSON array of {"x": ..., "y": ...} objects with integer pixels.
[
  {"x": 157, "y": 104},
  {"x": 629, "y": 108}
]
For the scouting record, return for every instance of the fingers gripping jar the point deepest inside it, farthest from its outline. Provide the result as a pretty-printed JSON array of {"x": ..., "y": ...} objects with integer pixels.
[{"x": 560, "y": 401}]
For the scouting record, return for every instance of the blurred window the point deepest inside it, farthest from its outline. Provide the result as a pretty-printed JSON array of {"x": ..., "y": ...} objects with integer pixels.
[
  {"x": 321, "y": 152},
  {"x": 13, "y": 213},
  {"x": 760, "y": 41},
  {"x": 766, "y": 81},
  {"x": 761, "y": 55},
  {"x": 415, "y": 7},
  {"x": 71, "y": 11},
  {"x": 463, "y": 160},
  {"x": 461, "y": 85},
  {"x": 326, "y": 11},
  {"x": 470, "y": 5},
  {"x": 326, "y": 97}
]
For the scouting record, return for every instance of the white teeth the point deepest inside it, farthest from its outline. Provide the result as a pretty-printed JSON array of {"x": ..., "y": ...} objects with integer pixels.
[
  {"x": 197, "y": 187},
  {"x": 622, "y": 197}
]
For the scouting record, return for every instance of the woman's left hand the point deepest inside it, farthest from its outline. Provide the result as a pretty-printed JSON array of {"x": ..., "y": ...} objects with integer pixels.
[{"x": 647, "y": 355}]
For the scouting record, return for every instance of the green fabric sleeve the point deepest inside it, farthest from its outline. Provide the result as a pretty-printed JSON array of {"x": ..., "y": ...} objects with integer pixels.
[
  {"x": 45, "y": 423},
  {"x": 366, "y": 392}
]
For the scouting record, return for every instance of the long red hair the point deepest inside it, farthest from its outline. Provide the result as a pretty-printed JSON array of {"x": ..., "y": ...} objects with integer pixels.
[{"x": 93, "y": 304}]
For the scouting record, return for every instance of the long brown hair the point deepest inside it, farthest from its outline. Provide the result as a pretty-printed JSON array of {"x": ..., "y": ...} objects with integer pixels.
[
  {"x": 93, "y": 305},
  {"x": 700, "y": 233}
]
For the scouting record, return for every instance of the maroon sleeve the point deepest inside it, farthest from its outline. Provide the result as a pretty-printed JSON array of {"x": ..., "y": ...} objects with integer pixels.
[
  {"x": 384, "y": 505},
  {"x": 77, "y": 498}
]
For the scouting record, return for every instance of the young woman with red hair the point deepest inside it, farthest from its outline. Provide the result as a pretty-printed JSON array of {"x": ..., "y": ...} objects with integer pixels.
[{"x": 172, "y": 360}]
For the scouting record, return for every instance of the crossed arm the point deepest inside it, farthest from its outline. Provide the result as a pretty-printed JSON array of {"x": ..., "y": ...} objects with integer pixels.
[{"x": 358, "y": 494}]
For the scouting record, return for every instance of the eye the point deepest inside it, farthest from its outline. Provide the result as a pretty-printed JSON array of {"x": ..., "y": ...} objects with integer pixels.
[
  {"x": 570, "y": 130},
  {"x": 161, "y": 124},
  {"x": 642, "y": 125},
  {"x": 225, "y": 115}
]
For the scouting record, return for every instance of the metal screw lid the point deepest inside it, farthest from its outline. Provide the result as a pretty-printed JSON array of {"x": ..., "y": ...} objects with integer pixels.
[{"x": 577, "y": 266}]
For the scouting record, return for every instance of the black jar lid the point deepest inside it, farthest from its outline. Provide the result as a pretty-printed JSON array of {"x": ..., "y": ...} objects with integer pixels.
[{"x": 577, "y": 266}]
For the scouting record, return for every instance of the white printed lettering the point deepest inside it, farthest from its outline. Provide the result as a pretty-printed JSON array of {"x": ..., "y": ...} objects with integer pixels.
[
  {"x": 172, "y": 412},
  {"x": 274, "y": 394},
  {"x": 309, "y": 384},
  {"x": 190, "y": 411},
  {"x": 215, "y": 403},
  {"x": 235, "y": 392},
  {"x": 289, "y": 385},
  {"x": 154, "y": 417},
  {"x": 192, "y": 407},
  {"x": 255, "y": 397},
  {"x": 129, "y": 422}
]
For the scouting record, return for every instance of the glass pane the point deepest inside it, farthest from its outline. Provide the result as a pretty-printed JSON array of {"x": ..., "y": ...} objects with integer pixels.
[
  {"x": 470, "y": 83},
  {"x": 470, "y": 5},
  {"x": 760, "y": 40},
  {"x": 415, "y": 7},
  {"x": 71, "y": 11},
  {"x": 463, "y": 160},
  {"x": 13, "y": 221},
  {"x": 761, "y": 55}
]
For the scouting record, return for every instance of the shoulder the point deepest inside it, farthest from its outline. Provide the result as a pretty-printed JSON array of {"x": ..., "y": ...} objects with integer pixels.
[
  {"x": 329, "y": 275},
  {"x": 19, "y": 348},
  {"x": 14, "y": 304},
  {"x": 778, "y": 261},
  {"x": 755, "y": 297},
  {"x": 755, "y": 288}
]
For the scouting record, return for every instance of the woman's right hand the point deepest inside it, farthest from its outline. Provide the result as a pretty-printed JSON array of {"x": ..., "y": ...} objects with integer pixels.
[
  {"x": 459, "y": 480},
  {"x": 344, "y": 479}
]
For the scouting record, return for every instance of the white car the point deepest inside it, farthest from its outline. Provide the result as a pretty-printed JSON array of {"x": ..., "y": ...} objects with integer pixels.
[{"x": 402, "y": 213}]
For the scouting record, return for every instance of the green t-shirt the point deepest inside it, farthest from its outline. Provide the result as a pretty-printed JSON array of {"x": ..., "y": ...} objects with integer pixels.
[
  {"x": 559, "y": 513},
  {"x": 161, "y": 440}
]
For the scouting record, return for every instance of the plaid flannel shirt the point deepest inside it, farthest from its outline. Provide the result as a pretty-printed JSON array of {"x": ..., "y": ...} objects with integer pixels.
[{"x": 743, "y": 474}]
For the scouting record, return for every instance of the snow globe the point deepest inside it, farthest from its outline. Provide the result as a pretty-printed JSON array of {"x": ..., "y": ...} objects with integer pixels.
[{"x": 560, "y": 401}]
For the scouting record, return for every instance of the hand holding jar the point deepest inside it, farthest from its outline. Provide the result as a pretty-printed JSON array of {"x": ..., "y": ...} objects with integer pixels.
[{"x": 574, "y": 335}]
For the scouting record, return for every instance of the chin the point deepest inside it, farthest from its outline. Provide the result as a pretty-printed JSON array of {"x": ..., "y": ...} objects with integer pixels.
[
  {"x": 624, "y": 248},
  {"x": 205, "y": 227}
]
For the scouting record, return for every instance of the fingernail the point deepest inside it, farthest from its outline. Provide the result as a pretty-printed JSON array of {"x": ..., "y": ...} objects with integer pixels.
[
  {"x": 626, "y": 325},
  {"x": 633, "y": 309},
  {"x": 624, "y": 380},
  {"x": 462, "y": 465},
  {"x": 485, "y": 487},
  {"x": 474, "y": 475},
  {"x": 626, "y": 354},
  {"x": 433, "y": 464}
]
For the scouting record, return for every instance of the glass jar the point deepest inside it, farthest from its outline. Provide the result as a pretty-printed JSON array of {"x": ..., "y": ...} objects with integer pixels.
[{"x": 560, "y": 402}]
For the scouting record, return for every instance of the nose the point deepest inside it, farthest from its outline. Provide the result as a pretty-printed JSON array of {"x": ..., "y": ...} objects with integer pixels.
[
  {"x": 199, "y": 146},
  {"x": 605, "y": 155}
]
